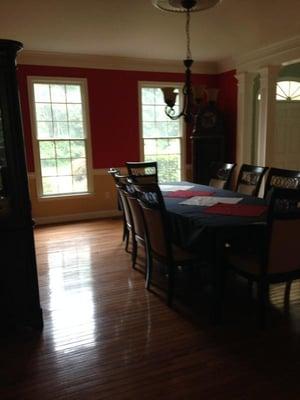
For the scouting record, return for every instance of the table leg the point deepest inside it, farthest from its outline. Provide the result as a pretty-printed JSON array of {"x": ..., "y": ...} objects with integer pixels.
[{"x": 219, "y": 272}]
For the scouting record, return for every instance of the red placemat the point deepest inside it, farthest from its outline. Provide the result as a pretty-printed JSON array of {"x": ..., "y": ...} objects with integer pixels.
[
  {"x": 188, "y": 193},
  {"x": 241, "y": 210}
]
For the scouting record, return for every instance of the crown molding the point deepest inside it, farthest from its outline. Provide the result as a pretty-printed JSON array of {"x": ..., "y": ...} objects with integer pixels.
[
  {"x": 227, "y": 64},
  {"x": 279, "y": 53},
  {"x": 28, "y": 57}
]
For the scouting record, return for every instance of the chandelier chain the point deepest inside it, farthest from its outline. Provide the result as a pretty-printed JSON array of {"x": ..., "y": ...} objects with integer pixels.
[{"x": 188, "y": 38}]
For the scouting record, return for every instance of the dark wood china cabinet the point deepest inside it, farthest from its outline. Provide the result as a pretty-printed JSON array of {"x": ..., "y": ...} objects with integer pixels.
[
  {"x": 208, "y": 142},
  {"x": 19, "y": 294}
]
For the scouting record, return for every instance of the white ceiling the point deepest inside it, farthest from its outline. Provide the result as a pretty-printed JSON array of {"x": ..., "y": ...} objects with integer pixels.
[{"x": 135, "y": 28}]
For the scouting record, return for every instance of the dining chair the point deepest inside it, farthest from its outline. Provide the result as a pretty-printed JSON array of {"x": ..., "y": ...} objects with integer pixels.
[
  {"x": 138, "y": 231},
  {"x": 273, "y": 254},
  {"x": 158, "y": 237},
  {"x": 121, "y": 181},
  {"x": 249, "y": 179},
  {"x": 113, "y": 172},
  {"x": 146, "y": 171},
  {"x": 282, "y": 178},
  {"x": 221, "y": 174}
]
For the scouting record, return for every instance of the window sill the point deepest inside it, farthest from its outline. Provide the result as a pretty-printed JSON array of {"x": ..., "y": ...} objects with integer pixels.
[{"x": 66, "y": 196}]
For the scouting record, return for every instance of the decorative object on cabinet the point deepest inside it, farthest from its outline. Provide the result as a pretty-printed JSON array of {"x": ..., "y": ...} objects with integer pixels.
[
  {"x": 19, "y": 294},
  {"x": 209, "y": 120}
]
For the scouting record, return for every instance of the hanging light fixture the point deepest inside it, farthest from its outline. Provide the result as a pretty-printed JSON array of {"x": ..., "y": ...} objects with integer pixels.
[{"x": 192, "y": 96}]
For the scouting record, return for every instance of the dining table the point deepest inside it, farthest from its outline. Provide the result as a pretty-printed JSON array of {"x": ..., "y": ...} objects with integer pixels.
[{"x": 205, "y": 219}]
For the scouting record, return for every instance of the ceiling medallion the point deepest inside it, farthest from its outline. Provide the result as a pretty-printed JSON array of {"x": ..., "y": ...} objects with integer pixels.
[{"x": 177, "y": 5}]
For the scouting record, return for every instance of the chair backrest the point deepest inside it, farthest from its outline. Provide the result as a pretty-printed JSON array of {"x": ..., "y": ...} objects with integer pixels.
[
  {"x": 249, "y": 179},
  {"x": 155, "y": 220},
  {"x": 221, "y": 174},
  {"x": 146, "y": 171},
  {"x": 282, "y": 178},
  {"x": 113, "y": 172},
  {"x": 121, "y": 182},
  {"x": 136, "y": 213},
  {"x": 283, "y": 231}
]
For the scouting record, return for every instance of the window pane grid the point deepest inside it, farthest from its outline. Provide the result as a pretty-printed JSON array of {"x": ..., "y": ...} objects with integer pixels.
[
  {"x": 295, "y": 92},
  {"x": 61, "y": 136},
  {"x": 288, "y": 91},
  {"x": 161, "y": 136}
]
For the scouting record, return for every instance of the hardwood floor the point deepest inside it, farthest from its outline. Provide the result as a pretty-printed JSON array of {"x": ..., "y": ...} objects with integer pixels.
[{"x": 106, "y": 337}]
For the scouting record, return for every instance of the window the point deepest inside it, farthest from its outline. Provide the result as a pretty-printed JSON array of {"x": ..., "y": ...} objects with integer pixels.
[
  {"x": 288, "y": 91},
  {"x": 161, "y": 137},
  {"x": 60, "y": 136}
]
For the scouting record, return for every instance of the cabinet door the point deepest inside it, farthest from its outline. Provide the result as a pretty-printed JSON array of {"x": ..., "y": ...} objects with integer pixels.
[
  {"x": 19, "y": 294},
  {"x": 206, "y": 150}
]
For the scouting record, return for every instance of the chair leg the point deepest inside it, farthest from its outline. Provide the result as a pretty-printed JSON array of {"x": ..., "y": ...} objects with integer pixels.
[
  {"x": 170, "y": 286},
  {"x": 250, "y": 287},
  {"x": 124, "y": 229},
  {"x": 134, "y": 251},
  {"x": 263, "y": 295},
  {"x": 220, "y": 281},
  {"x": 287, "y": 292},
  {"x": 127, "y": 240},
  {"x": 191, "y": 278},
  {"x": 224, "y": 276},
  {"x": 148, "y": 268}
]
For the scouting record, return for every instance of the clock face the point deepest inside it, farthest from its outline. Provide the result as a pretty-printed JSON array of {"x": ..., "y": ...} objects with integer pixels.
[{"x": 208, "y": 120}]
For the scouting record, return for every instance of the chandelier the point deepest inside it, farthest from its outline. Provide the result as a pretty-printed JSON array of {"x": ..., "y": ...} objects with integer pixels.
[{"x": 192, "y": 97}]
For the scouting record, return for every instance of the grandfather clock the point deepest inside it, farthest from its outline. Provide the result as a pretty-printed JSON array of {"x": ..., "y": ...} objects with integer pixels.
[
  {"x": 19, "y": 294},
  {"x": 207, "y": 141}
]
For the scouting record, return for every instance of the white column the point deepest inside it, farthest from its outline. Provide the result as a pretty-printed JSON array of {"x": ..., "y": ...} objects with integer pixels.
[
  {"x": 267, "y": 113},
  {"x": 244, "y": 117}
]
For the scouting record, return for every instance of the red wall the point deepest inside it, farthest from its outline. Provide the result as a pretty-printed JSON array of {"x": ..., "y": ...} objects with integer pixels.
[{"x": 113, "y": 104}]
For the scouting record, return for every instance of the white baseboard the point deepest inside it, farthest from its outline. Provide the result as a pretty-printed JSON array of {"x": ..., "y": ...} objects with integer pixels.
[{"x": 76, "y": 217}]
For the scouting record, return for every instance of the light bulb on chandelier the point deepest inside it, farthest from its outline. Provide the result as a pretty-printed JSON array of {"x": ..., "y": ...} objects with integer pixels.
[{"x": 192, "y": 96}]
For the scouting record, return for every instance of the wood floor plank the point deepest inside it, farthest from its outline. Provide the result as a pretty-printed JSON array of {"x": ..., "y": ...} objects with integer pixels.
[{"x": 106, "y": 337}]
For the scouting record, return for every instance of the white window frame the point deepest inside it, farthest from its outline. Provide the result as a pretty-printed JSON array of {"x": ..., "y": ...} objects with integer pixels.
[
  {"x": 155, "y": 84},
  {"x": 287, "y": 79},
  {"x": 86, "y": 120}
]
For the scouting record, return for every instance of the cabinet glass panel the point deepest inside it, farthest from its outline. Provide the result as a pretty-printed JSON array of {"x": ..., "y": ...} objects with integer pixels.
[{"x": 2, "y": 157}]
